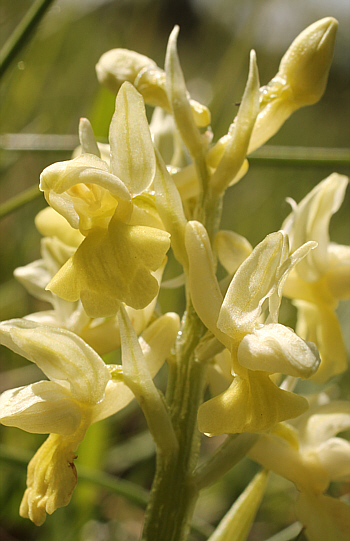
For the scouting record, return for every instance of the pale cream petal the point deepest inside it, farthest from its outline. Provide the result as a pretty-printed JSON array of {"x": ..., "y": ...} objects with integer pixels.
[
  {"x": 170, "y": 209},
  {"x": 35, "y": 277},
  {"x": 232, "y": 249},
  {"x": 117, "y": 396},
  {"x": 237, "y": 146},
  {"x": 205, "y": 291},
  {"x": 276, "y": 454},
  {"x": 310, "y": 221},
  {"x": 334, "y": 455},
  {"x": 119, "y": 65},
  {"x": 338, "y": 274},
  {"x": 324, "y": 422},
  {"x": 61, "y": 355},
  {"x": 137, "y": 376},
  {"x": 253, "y": 283},
  {"x": 132, "y": 153},
  {"x": 87, "y": 138},
  {"x": 158, "y": 340},
  {"x": 319, "y": 324},
  {"x": 41, "y": 408},
  {"x": 87, "y": 169},
  {"x": 178, "y": 98},
  {"x": 275, "y": 348},
  {"x": 52, "y": 224}
]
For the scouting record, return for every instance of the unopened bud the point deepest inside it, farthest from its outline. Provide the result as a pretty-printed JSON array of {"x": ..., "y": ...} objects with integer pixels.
[
  {"x": 301, "y": 79},
  {"x": 306, "y": 64},
  {"x": 120, "y": 65}
]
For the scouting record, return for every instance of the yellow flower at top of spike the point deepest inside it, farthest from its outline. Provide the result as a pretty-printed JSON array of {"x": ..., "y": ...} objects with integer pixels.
[{"x": 111, "y": 205}]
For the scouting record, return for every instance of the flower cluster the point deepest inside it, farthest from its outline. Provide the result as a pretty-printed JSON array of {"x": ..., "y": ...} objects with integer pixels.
[{"x": 114, "y": 212}]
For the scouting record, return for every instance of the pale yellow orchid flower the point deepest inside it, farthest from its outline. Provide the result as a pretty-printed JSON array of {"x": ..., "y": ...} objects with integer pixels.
[
  {"x": 100, "y": 333},
  {"x": 80, "y": 391},
  {"x": 252, "y": 403},
  {"x": 323, "y": 277},
  {"x": 307, "y": 453},
  {"x": 124, "y": 238}
]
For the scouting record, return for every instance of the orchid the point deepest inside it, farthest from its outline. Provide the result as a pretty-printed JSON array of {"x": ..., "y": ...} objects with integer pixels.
[
  {"x": 80, "y": 391},
  {"x": 323, "y": 278},
  {"x": 100, "y": 333},
  {"x": 307, "y": 453},
  {"x": 124, "y": 239},
  {"x": 253, "y": 402},
  {"x": 118, "y": 213}
]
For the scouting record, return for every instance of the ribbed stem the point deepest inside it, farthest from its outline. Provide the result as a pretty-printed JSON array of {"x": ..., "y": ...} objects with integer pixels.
[{"x": 174, "y": 494}]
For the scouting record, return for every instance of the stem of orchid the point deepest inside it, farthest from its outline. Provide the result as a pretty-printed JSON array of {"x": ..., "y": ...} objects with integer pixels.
[{"x": 174, "y": 493}]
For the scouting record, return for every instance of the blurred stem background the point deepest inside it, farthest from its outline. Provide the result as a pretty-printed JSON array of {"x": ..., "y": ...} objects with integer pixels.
[{"x": 47, "y": 84}]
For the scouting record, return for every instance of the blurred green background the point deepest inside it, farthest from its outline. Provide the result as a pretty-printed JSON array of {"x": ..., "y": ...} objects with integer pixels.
[{"x": 47, "y": 88}]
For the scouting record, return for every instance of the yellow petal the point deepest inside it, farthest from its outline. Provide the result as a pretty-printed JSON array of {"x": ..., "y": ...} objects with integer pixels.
[
  {"x": 232, "y": 249},
  {"x": 306, "y": 64},
  {"x": 113, "y": 266},
  {"x": 51, "y": 479},
  {"x": 280, "y": 456},
  {"x": 278, "y": 349},
  {"x": 132, "y": 153},
  {"x": 62, "y": 355},
  {"x": 52, "y": 224},
  {"x": 324, "y": 518},
  {"x": 41, "y": 408},
  {"x": 251, "y": 404},
  {"x": 103, "y": 334},
  {"x": 205, "y": 291},
  {"x": 170, "y": 208},
  {"x": 253, "y": 283},
  {"x": 319, "y": 324},
  {"x": 87, "y": 138},
  {"x": 178, "y": 98},
  {"x": 237, "y": 146},
  {"x": 83, "y": 191}
]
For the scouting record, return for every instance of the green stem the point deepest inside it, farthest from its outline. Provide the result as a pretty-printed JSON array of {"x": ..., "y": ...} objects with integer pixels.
[
  {"x": 21, "y": 33},
  {"x": 174, "y": 493},
  {"x": 19, "y": 200},
  {"x": 290, "y": 155}
]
